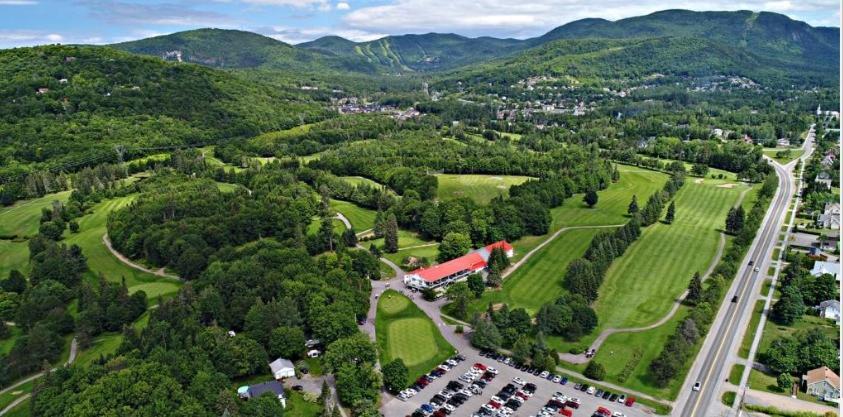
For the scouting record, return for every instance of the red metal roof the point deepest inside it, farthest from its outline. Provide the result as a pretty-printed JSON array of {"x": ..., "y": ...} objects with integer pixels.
[
  {"x": 436, "y": 272},
  {"x": 499, "y": 244}
]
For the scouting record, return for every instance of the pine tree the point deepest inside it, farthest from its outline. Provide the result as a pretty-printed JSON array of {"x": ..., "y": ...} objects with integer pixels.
[
  {"x": 694, "y": 289},
  {"x": 671, "y": 213},
  {"x": 590, "y": 198},
  {"x": 633, "y": 205},
  {"x": 380, "y": 224},
  {"x": 390, "y": 235}
]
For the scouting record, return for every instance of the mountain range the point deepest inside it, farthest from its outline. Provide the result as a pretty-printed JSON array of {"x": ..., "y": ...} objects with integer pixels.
[{"x": 762, "y": 38}]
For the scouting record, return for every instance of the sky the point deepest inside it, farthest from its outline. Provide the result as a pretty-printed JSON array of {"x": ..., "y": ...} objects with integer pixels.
[{"x": 34, "y": 22}]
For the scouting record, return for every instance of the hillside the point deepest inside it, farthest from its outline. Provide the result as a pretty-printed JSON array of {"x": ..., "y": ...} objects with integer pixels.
[
  {"x": 222, "y": 48},
  {"x": 60, "y": 104},
  {"x": 768, "y": 35},
  {"x": 428, "y": 52}
]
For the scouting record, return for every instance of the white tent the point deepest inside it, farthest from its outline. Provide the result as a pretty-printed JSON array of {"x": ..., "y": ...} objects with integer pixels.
[{"x": 282, "y": 368}]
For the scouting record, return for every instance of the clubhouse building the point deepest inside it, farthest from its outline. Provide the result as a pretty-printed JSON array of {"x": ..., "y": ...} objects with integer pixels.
[{"x": 439, "y": 275}]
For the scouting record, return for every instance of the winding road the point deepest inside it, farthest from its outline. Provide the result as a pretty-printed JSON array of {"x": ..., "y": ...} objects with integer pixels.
[{"x": 158, "y": 272}]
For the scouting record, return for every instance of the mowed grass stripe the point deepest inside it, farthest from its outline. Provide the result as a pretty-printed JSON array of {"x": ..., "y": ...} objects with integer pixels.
[
  {"x": 361, "y": 218},
  {"x": 641, "y": 286},
  {"x": 480, "y": 188},
  {"x": 22, "y": 218},
  {"x": 613, "y": 201},
  {"x": 539, "y": 280},
  {"x": 403, "y": 331}
]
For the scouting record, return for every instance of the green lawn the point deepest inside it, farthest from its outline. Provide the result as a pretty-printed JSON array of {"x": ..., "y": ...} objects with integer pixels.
[
  {"x": 15, "y": 255},
  {"x": 297, "y": 406},
  {"x": 627, "y": 356},
  {"x": 642, "y": 285},
  {"x": 794, "y": 153},
  {"x": 736, "y": 373},
  {"x": 773, "y": 331},
  {"x": 361, "y": 218},
  {"x": 612, "y": 202},
  {"x": 357, "y": 180},
  {"x": 539, "y": 280},
  {"x": 404, "y": 331},
  {"x": 102, "y": 345},
  {"x": 429, "y": 252},
  {"x": 9, "y": 396},
  {"x": 480, "y": 188},
  {"x": 227, "y": 187},
  {"x": 100, "y": 260},
  {"x": 746, "y": 344},
  {"x": 22, "y": 410},
  {"x": 316, "y": 223},
  {"x": 22, "y": 218},
  {"x": 406, "y": 239}
]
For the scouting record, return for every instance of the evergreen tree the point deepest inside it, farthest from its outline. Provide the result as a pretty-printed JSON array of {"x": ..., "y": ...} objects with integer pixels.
[
  {"x": 694, "y": 289},
  {"x": 380, "y": 224},
  {"x": 390, "y": 236},
  {"x": 590, "y": 198},
  {"x": 633, "y": 205},
  {"x": 671, "y": 213}
]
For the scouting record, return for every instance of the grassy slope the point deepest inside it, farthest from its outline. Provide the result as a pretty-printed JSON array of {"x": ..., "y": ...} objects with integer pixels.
[
  {"x": 480, "y": 188},
  {"x": 15, "y": 255},
  {"x": 539, "y": 280},
  {"x": 92, "y": 227},
  {"x": 21, "y": 219},
  {"x": 404, "y": 331},
  {"x": 641, "y": 286},
  {"x": 361, "y": 218}
]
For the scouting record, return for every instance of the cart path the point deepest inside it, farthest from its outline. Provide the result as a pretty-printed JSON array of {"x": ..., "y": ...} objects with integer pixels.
[
  {"x": 158, "y": 272},
  {"x": 74, "y": 347},
  {"x": 580, "y": 358}
]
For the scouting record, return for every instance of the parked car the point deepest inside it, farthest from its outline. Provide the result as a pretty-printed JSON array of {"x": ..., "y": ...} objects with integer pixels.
[
  {"x": 697, "y": 386},
  {"x": 590, "y": 390},
  {"x": 518, "y": 381}
]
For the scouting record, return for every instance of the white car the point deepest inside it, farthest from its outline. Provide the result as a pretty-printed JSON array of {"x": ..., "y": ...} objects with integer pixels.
[
  {"x": 496, "y": 399},
  {"x": 492, "y": 371},
  {"x": 444, "y": 367},
  {"x": 449, "y": 407},
  {"x": 466, "y": 392},
  {"x": 622, "y": 398},
  {"x": 446, "y": 393},
  {"x": 618, "y": 414},
  {"x": 488, "y": 407},
  {"x": 574, "y": 400},
  {"x": 591, "y": 390},
  {"x": 518, "y": 381},
  {"x": 697, "y": 386},
  {"x": 557, "y": 379},
  {"x": 544, "y": 374}
]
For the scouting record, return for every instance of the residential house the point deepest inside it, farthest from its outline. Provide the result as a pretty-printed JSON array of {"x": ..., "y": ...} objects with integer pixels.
[
  {"x": 456, "y": 269},
  {"x": 830, "y": 309},
  {"x": 783, "y": 142},
  {"x": 824, "y": 179},
  {"x": 822, "y": 383},
  {"x": 830, "y": 217},
  {"x": 254, "y": 391},
  {"x": 282, "y": 368},
  {"x": 822, "y": 268}
]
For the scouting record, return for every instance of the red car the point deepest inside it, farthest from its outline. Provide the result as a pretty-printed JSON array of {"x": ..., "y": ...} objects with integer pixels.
[
  {"x": 480, "y": 366},
  {"x": 604, "y": 411},
  {"x": 629, "y": 401},
  {"x": 494, "y": 404},
  {"x": 567, "y": 412}
]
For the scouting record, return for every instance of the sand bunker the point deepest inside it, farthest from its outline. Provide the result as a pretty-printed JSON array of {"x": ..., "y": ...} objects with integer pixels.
[
  {"x": 726, "y": 185},
  {"x": 497, "y": 178},
  {"x": 698, "y": 181}
]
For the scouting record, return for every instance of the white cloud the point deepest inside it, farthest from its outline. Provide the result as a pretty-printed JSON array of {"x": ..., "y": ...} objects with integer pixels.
[
  {"x": 17, "y": 2},
  {"x": 524, "y": 19},
  {"x": 14, "y": 38},
  {"x": 298, "y": 35},
  {"x": 343, "y": 6}
]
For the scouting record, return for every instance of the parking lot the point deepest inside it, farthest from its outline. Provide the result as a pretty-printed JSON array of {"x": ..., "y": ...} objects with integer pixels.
[{"x": 545, "y": 390}]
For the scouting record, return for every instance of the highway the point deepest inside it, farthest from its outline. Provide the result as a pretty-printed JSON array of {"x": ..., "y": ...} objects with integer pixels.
[{"x": 713, "y": 364}]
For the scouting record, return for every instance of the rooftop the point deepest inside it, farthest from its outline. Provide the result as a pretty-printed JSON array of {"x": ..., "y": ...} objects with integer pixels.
[{"x": 822, "y": 374}]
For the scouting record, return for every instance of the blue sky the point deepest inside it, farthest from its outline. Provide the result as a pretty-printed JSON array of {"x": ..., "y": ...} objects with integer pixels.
[{"x": 32, "y": 22}]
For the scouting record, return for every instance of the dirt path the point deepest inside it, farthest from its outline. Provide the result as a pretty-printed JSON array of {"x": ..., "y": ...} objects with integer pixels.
[
  {"x": 158, "y": 272},
  {"x": 569, "y": 357}
]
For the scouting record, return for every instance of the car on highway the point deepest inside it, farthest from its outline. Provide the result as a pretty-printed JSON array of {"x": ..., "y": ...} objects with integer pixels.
[
  {"x": 697, "y": 386},
  {"x": 735, "y": 299},
  {"x": 757, "y": 269}
]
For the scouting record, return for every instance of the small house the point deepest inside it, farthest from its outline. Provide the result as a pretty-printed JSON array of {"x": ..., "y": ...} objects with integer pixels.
[
  {"x": 822, "y": 383},
  {"x": 830, "y": 309},
  {"x": 830, "y": 217},
  {"x": 282, "y": 368},
  {"x": 822, "y": 267},
  {"x": 823, "y": 179},
  {"x": 254, "y": 391}
]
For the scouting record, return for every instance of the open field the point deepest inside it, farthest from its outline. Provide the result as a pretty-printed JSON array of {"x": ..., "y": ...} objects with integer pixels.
[
  {"x": 765, "y": 382},
  {"x": 15, "y": 255},
  {"x": 314, "y": 225},
  {"x": 794, "y": 153},
  {"x": 361, "y": 218},
  {"x": 480, "y": 188},
  {"x": 642, "y": 285},
  {"x": 21, "y": 219},
  {"x": 92, "y": 227},
  {"x": 539, "y": 280},
  {"x": 428, "y": 252},
  {"x": 612, "y": 203},
  {"x": 404, "y": 331},
  {"x": 773, "y": 331},
  {"x": 627, "y": 356},
  {"x": 356, "y": 180}
]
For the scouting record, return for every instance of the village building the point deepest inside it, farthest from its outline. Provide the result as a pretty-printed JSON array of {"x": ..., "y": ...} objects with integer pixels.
[
  {"x": 830, "y": 217},
  {"x": 282, "y": 368},
  {"x": 830, "y": 309},
  {"x": 822, "y": 268},
  {"x": 822, "y": 383},
  {"x": 454, "y": 270},
  {"x": 253, "y": 391},
  {"x": 823, "y": 179}
]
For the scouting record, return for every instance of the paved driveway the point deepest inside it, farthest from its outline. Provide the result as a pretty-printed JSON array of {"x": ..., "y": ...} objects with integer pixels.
[{"x": 394, "y": 407}]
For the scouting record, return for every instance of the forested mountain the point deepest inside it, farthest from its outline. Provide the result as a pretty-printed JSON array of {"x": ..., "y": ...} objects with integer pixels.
[
  {"x": 221, "y": 48},
  {"x": 60, "y": 104},
  {"x": 768, "y": 35},
  {"x": 428, "y": 52},
  {"x": 748, "y": 38}
]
